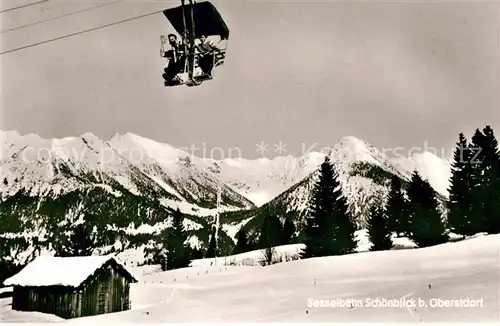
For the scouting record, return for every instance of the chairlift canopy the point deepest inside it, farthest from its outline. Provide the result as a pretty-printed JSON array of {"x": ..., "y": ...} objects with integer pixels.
[{"x": 207, "y": 20}]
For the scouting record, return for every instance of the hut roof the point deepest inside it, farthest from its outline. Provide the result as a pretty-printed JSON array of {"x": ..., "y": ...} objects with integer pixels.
[{"x": 63, "y": 271}]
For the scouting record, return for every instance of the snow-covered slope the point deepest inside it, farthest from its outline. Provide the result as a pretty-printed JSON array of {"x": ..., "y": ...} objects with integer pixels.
[
  {"x": 140, "y": 165},
  {"x": 187, "y": 176},
  {"x": 121, "y": 187},
  {"x": 136, "y": 163},
  {"x": 263, "y": 179},
  {"x": 436, "y": 170},
  {"x": 290, "y": 292},
  {"x": 364, "y": 173}
]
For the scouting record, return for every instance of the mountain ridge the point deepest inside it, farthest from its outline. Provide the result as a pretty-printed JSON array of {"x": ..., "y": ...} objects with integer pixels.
[
  {"x": 128, "y": 185},
  {"x": 255, "y": 179}
]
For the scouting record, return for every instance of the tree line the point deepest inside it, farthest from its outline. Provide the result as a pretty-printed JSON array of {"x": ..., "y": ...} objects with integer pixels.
[
  {"x": 276, "y": 229},
  {"x": 412, "y": 211}
]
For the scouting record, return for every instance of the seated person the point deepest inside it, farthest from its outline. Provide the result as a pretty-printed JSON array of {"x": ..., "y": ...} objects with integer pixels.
[
  {"x": 176, "y": 59},
  {"x": 207, "y": 51}
]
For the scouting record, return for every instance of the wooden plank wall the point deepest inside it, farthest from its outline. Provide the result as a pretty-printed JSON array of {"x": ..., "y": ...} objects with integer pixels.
[
  {"x": 108, "y": 292},
  {"x": 52, "y": 300}
]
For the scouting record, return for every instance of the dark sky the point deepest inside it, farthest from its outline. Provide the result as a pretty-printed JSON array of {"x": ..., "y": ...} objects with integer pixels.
[{"x": 396, "y": 74}]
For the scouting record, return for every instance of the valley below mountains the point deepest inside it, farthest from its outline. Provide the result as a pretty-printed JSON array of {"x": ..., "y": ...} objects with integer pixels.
[{"x": 126, "y": 188}]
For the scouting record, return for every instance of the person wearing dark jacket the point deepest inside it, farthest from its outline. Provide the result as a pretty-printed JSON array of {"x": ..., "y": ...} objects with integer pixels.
[{"x": 176, "y": 59}]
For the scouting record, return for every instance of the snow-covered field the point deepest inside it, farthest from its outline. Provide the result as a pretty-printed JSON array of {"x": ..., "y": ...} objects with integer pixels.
[{"x": 467, "y": 270}]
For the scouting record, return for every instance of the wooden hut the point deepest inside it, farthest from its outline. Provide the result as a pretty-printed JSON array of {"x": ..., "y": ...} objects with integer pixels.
[{"x": 72, "y": 287}]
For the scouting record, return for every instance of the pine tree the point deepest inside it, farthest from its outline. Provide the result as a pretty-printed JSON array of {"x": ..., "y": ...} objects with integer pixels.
[
  {"x": 288, "y": 232},
  {"x": 242, "y": 244},
  {"x": 252, "y": 244},
  {"x": 426, "y": 226},
  {"x": 179, "y": 253},
  {"x": 328, "y": 228},
  {"x": 212, "y": 246},
  {"x": 460, "y": 217},
  {"x": 321, "y": 207},
  {"x": 310, "y": 235},
  {"x": 490, "y": 166},
  {"x": 159, "y": 252},
  {"x": 10, "y": 221},
  {"x": 5, "y": 252},
  {"x": 196, "y": 253},
  {"x": 486, "y": 180},
  {"x": 80, "y": 243},
  {"x": 379, "y": 232},
  {"x": 345, "y": 242},
  {"x": 397, "y": 208},
  {"x": 271, "y": 232},
  {"x": 478, "y": 187}
]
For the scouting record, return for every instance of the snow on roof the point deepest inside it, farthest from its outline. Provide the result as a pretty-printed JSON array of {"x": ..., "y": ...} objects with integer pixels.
[{"x": 62, "y": 271}]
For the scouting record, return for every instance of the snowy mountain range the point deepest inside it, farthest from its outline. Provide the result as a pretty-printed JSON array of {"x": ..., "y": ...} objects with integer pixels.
[
  {"x": 261, "y": 180},
  {"x": 142, "y": 166},
  {"x": 364, "y": 173},
  {"x": 134, "y": 168}
]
